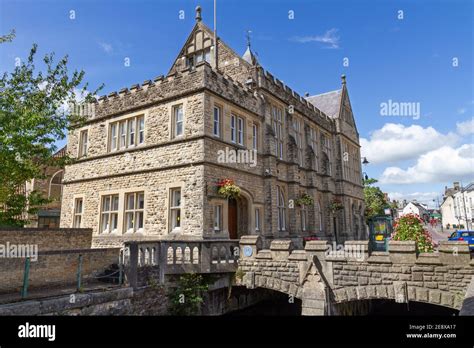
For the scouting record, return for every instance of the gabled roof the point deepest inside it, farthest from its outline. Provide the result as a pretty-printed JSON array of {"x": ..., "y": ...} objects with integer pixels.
[{"x": 329, "y": 103}]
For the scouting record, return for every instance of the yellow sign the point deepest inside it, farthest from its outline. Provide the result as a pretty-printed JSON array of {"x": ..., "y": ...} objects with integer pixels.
[{"x": 379, "y": 237}]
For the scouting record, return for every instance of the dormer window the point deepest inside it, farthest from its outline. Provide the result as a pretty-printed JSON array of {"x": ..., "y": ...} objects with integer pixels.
[{"x": 198, "y": 57}]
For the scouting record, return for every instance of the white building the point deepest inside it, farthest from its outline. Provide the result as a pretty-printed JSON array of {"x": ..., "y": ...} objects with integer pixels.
[
  {"x": 458, "y": 206},
  {"x": 417, "y": 209}
]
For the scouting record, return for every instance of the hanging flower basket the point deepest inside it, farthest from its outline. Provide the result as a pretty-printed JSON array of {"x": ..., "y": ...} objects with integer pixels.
[
  {"x": 228, "y": 189},
  {"x": 336, "y": 205},
  {"x": 305, "y": 200}
]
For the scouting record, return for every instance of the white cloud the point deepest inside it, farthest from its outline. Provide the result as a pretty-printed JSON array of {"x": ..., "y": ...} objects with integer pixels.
[
  {"x": 330, "y": 38},
  {"x": 396, "y": 142},
  {"x": 466, "y": 127},
  {"x": 106, "y": 47},
  {"x": 441, "y": 165}
]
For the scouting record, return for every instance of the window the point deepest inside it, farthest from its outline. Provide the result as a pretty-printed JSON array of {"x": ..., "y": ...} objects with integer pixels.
[
  {"x": 257, "y": 219},
  {"x": 278, "y": 130},
  {"x": 240, "y": 130},
  {"x": 56, "y": 186},
  {"x": 326, "y": 144},
  {"x": 134, "y": 207},
  {"x": 141, "y": 130},
  {"x": 217, "y": 218},
  {"x": 255, "y": 136},
  {"x": 113, "y": 137},
  {"x": 217, "y": 121},
  {"x": 83, "y": 140},
  {"x": 320, "y": 213},
  {"x": 304, "y": 215},
  {"x": 314, "y": 146},
  {"x": 78, "y": 207},
  {"x": 299, "y": 141},
  {"x": 109, "y": 214},
  {"x": 281, "y": 210},
  {"x": 48, "y": 221},
  {"x": 123, "y": 134},
  {"x": 175, "y": 209},
  {"x": 178, "y": 120},
  {"x": 233, "y": 134},
  {"x": 207, "y": 55}
]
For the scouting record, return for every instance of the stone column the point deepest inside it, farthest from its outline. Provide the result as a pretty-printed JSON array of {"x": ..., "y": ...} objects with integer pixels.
[
  {"x": 402, "y": 251},
  {"x": 249, "y": 246}
]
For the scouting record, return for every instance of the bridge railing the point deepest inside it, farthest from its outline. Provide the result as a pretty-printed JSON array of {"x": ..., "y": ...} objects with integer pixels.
[{"x": 167, "y": 257}]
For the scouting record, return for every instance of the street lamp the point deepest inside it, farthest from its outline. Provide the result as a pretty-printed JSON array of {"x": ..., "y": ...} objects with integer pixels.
[{"x": 364, "y": 174}]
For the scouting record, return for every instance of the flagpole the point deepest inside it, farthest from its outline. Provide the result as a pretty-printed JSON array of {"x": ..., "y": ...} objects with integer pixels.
[{"x": 215, "y": 34}]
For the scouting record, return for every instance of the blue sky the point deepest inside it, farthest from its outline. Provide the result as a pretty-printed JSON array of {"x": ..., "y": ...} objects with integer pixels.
[{"x": 409, "y": 59}]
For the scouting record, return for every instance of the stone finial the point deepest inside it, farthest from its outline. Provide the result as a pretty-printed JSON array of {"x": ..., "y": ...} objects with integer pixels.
[
  {"x": 198, "y": 14},
  {"x": 343, "y": 79}
]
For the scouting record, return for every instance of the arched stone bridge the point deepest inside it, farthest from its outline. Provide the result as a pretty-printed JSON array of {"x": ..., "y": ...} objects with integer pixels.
[{"x": 321, "y": 279}]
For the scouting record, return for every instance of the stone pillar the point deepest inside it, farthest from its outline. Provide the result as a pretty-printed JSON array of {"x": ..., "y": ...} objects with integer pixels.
[
  {"x": 314, "y": 294},
  {"x": 402, "y": 251},
  {"x": 249, "y": 245},
  {"x": 454, "y": 252},
  {"x": 281, "y": 249}
]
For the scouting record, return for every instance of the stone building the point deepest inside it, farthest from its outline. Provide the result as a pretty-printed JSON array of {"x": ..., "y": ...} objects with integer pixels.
[{"x": 150, "y": 157}]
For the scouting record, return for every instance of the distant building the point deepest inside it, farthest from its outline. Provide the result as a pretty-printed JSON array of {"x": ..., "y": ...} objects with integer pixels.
[
  {"x": 417, "y": 209},
  {"x": 50, "y": 187},
  {"x": 457, "y": 208}
]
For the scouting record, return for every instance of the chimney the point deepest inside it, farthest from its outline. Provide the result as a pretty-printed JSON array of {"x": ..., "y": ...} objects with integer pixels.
[{"x": 456, "y": 185}]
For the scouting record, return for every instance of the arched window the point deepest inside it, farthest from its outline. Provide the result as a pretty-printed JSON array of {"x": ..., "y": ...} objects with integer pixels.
[
  {"x": 56, "y": 186},
  {"x": 281, "y": 209}
]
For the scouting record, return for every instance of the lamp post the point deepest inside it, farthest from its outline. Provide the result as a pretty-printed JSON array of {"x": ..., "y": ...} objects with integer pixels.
[{"x": 364, "y": 174}]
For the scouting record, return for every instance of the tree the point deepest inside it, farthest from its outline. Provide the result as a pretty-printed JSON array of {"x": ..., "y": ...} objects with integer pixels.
[
  {"x": 375, "y": 201},
  {"x": 33, "y": 117}
]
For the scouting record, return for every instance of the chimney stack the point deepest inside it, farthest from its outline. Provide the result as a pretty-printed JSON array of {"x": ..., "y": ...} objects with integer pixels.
[{"x": 198, "y": 14}]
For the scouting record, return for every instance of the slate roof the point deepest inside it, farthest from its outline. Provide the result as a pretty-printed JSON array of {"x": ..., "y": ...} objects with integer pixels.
[
  {"x": 329, "y": 103},
  {"x": 249, "y": 57}
]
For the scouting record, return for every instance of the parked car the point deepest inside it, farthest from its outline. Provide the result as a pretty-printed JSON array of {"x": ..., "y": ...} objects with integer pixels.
[{"x": 464, "y": 235}]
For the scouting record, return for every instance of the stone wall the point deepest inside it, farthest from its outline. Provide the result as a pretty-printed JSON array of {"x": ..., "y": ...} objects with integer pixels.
[
  {"x": 48, "y": 239},
  {"x": 55, "y": 268}
]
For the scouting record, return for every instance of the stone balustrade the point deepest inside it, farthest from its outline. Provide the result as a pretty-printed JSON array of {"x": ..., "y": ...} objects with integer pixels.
[{"x": 167, "y": 257}]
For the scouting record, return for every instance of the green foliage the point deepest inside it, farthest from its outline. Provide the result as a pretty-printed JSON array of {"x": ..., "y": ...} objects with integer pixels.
[
  {"x": 186, "y": 299},
  {"x": 374, "y": 199},
  {"x": 33, "y": 117},
  {"x": 410, "y": 227}
]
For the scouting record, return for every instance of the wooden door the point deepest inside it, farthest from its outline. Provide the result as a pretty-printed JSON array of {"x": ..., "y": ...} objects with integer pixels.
[{"x": 232, "y": 218}]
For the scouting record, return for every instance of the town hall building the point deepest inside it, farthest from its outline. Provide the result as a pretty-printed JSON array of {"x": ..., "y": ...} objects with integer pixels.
[{"x": 150, "y": 158}]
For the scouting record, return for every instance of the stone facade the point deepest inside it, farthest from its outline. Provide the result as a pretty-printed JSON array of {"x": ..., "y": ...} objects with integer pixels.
[{"x": 246, "y": 97}]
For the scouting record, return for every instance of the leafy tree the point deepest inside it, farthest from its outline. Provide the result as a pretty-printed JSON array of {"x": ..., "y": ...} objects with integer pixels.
[
  {"x": 375, "y": 201},
  {"x": 33, "y": 117}
]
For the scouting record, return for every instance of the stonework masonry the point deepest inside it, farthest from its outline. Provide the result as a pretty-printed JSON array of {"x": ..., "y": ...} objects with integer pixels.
[
  {"x": 320, "y": 279},
  {"x": 291, "y": 161}
]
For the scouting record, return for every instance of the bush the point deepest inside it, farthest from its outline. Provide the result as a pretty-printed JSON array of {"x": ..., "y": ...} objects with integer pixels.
[{"x": 410, "y": 227}]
